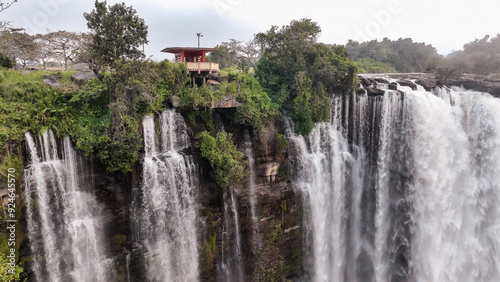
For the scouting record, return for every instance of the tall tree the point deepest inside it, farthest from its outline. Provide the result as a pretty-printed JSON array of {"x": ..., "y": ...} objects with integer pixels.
[
  {"x": 45, "y": 50},
  {"x": 298, "y": 73},
  {"x": 117, "y": 33},
  {"x": 17, "y": 44},
  {"x": 65, "y": 46}
]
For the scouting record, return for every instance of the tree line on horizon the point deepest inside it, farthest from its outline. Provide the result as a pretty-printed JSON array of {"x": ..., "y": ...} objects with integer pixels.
[
  {"x": 62, "y": 48},
  {"x": 480, "y": 56}
]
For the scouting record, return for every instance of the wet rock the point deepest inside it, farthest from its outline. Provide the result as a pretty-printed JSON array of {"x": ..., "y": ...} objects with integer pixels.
[
  {"x": 408, "y": 83},
  {"x": 375, "y": 91},
  {"x": 427, "y": 83}
]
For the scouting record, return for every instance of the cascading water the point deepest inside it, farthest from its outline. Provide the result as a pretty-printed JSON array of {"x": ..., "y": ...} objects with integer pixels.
[
  {"x": 402, "y": 187},
  {"x": 321, "y": 170},
  {"x": 166, "y": 214},
  {"x": 251, "y": 189},
  {"x": 64, "y": 219},
  {"x": 231, "y": 264}
]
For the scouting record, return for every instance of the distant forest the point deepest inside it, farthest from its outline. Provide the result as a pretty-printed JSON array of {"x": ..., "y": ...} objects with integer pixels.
[{"x": 481, "y": 56}]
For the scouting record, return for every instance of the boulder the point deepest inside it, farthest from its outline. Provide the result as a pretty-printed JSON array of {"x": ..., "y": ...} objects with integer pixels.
[
  {"x": 81, "y": 77},
  {"x": 427, "y": 83},
  {"x": 381, "y": 80},
  {"x": 372, "y": 91},
  {"x": 52, "y": 82},
  {"x": 408, "y": 83}
]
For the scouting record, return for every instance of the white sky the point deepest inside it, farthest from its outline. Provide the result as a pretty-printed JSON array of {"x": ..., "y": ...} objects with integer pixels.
[{"x": 445, "y": 24}]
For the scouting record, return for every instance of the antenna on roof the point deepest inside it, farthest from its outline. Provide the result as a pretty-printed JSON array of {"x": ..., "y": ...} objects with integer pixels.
[{"x": 199, "y": 35}]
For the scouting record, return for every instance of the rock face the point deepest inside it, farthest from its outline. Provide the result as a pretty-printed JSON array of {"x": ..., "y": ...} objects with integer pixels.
[
  {"x": 374, "y": 91},
  {"x": 268, "y": 170},
  {"x": 81, "y": 77},
  {"x": 229, "y": 101}
]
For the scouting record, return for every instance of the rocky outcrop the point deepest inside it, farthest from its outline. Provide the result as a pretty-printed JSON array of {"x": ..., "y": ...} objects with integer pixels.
[
  {"x": 476, "y": 82},
  {"x": 52, "y": 80},
  {"x": 372, "y": 91},
  {"x": 81, "y": 77},
  {"x": 268, "y": 170},
  {"x": 228, "y": 101}
]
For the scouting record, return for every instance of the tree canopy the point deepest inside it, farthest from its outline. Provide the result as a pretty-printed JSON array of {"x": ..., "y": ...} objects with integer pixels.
[
  {"x": 299, "y": 73},
  {"x": 479, "y": 56},
  {"x": 403, "y": 55},
  {"x": 117, "y": 33}
]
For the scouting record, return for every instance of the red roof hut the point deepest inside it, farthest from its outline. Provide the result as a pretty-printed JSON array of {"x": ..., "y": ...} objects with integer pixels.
[{"x": 194, "y": 58}]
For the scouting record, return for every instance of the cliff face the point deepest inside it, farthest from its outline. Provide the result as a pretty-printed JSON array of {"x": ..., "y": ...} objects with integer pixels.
[{"x": 256, "y": 230}]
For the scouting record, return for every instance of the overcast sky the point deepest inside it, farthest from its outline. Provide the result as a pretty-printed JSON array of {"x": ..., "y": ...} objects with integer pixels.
[{"x": 445, "y": 24}]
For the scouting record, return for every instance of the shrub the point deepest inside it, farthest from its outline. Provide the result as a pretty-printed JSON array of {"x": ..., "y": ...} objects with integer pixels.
[{"x": 226, "y": 161}]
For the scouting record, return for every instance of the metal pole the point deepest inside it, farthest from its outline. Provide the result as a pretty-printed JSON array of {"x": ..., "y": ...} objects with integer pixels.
[{"x": 199, "y": 35}]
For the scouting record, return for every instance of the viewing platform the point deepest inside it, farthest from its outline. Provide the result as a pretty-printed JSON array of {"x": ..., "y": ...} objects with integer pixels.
[
  {"x": 202, "y": 67},
  {"x": 194, "y": 58}
]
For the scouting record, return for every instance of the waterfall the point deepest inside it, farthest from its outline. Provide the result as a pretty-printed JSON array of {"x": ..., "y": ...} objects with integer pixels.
[
  {"x": 321, "y": 168},
  {"x": 166, "y": 214},
  {"x": 251, "y": 189},
  {"x": 402, "y": 187},
  {"x": 231, "y": 264},
  {"x": 64, "y": 220}
]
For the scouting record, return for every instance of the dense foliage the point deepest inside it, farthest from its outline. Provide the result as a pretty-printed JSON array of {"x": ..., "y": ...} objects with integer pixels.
[
  {"x": 101, "y": 118},
  {"x": 479, "y": 56},
  {"x": 299, "y": 74},
  {"x": 226, "y": 161},
  {"x": 6, "y": 61},
  {"x": 403, "y": 54},
  {"x": 235, "y": 53},
  {"x": 117, "y": 33},
  {"x": 369, "y": 65},
  {"x": 256, "y": 109},
  {"x": 110, "y": 110}
]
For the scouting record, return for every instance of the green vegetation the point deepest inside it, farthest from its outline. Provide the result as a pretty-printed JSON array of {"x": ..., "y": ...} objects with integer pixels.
[
  {"x": 257, "y": 109},
  {"x": 369, "y": 65},
  {"x": 226, "y": 161},
  {"x": 271, "y": 271},
  {"x": 403, "y": 55},
  {"x": 199, "y": 97},
  {"x": 26, "y": 103},
  {"x": 275, "y": 235},
  {"x": 117, "y": 34},
  {"x": 235, "y": 53},
  {"x": 479, "y": 56},
  {"x": 107, "y": 112},
  {"x": 101, "y": 118},
  {"x": 11, "y": 157},
  {"x": 299, "y": 74},
  {"x": 6, "y": 62},
  {"x": 280, "y": 145},
  {"x": 5, "y": 276}
]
